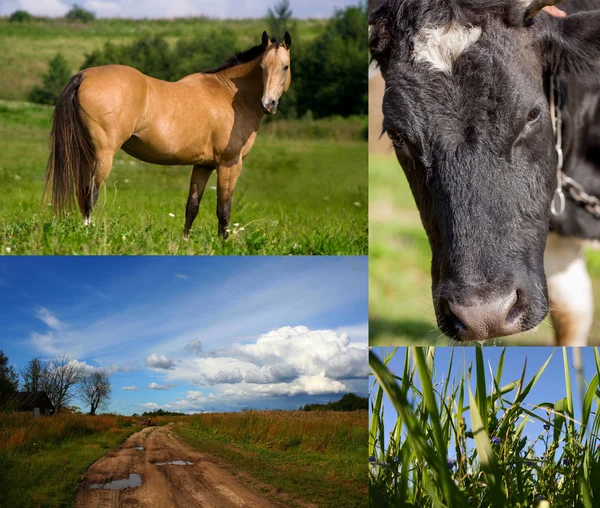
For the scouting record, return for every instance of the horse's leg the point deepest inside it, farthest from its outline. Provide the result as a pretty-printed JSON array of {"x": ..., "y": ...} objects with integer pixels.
[
  {"x": 200, "y": 176},
  {"x": 570, "y": 290},
  {"x": 103, "y": 166},
  {"x": 227, "y": 176}
]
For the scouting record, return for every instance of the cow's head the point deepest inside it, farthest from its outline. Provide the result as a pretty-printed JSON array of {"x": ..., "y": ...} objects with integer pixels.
[{"x": 466, "y": 111}]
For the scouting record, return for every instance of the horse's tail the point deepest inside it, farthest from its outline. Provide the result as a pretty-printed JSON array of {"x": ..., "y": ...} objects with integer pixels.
[{"x": 71, "y": 154}]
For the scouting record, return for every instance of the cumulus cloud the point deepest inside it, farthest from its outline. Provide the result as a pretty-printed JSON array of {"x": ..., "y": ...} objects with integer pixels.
[
  {"x": 285, "y": 362},
  {"x": 130, "y": 388},
  {"x": 155, "y": 361},
  {"x": 156, "y": 386},
  {"x": 150, "y": 405}
]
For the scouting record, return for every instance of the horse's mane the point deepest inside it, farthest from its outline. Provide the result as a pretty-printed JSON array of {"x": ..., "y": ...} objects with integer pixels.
[{"x": 242, "y": 57}]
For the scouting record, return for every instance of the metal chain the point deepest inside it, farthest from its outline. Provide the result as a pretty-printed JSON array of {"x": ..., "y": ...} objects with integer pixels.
[
  {"x": 574, "y": 188},
  {"x": 578, "y": 194}
]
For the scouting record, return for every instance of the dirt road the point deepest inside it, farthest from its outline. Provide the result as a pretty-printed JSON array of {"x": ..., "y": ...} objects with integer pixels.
[{"x": 201, "y": 483}]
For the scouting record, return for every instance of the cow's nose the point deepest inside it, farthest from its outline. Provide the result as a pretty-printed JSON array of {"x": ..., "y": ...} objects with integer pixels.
[{"x": 482, "y": 320}]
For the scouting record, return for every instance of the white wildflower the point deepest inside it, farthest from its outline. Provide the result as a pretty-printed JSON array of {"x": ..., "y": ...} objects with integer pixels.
[{"x": 171, "y": 215}]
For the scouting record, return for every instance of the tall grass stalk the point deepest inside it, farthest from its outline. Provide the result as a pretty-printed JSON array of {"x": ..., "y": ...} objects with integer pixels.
[{"x": 450, "y": 447}]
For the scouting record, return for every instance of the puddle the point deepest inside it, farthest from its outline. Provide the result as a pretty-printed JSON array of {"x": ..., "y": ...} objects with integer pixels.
[
  {"x": 138, "y": 448},
  {"x": 175, "y": 463},
  {"x": 134, "y": 480}
]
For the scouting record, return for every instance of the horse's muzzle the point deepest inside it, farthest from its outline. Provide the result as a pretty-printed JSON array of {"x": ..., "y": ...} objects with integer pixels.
[{"x": 270, "y": 106}]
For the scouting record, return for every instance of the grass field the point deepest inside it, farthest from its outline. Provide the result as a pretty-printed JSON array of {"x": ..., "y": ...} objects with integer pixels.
[
  {"x": 303, "y": 190},
  {"x": 26, "y": 48},
  {"x": 42, "y": 459},
  {"x": 401, "y": 310},
  {"x": 293, "y": 457},
  {"x": 461, "y": 436},
  {"x": 315, "y": 457}
]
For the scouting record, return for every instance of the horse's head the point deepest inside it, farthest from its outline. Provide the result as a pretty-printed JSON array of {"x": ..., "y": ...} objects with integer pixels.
[{"x": 277, "y": 75}]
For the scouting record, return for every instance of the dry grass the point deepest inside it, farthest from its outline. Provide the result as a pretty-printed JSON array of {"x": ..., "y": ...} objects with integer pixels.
[
  {"x": 316, "y": 431},
  {"x": 22, "y": 431}
]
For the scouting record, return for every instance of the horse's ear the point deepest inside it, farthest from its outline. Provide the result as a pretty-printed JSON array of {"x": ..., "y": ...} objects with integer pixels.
[
  {"x": 265, "y": 39},
  {"x": 287, "y": 40}
]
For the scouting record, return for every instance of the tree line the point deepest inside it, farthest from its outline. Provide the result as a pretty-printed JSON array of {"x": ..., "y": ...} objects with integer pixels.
[
  {"x": 329, "y": 73},
  {"x": 61, "y": 378}
]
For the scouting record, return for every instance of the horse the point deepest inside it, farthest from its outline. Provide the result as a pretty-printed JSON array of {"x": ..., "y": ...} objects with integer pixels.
[{"x": 209, "y": 120}]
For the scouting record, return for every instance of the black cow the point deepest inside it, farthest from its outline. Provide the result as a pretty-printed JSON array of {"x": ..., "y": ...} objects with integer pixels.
[{"x": 466, "y": 107}]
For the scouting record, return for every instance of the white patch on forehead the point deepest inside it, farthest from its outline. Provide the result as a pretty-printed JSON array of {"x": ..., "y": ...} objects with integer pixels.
[{"x": 441, "y": 46}]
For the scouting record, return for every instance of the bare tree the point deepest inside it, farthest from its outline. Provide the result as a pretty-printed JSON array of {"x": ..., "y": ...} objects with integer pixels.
[
  {"x": 94, "y": 390},
  {"x": 60, "y": 379},
  {"x": 33, "y": 375}
]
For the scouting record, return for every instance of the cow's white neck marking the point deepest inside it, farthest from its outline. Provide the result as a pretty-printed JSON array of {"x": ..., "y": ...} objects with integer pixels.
[{"x": 440, "y": 47}]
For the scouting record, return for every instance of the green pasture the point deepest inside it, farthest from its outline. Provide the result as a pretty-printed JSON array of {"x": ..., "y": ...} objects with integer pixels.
[
  {"x": 303, "y": 190},
  {"x": 26, "y": 48},
  {"x": 401, "y": 309}
]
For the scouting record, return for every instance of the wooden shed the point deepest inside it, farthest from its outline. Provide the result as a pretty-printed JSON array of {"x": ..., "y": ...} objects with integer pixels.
[{"x": 37, "y": 403}]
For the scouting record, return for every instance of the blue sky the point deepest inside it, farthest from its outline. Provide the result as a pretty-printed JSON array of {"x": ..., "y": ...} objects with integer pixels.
[
  {"x": 175, "y": 8},
  {"x": 194, "y": 333},
  {"x": 549, "y": 388}
]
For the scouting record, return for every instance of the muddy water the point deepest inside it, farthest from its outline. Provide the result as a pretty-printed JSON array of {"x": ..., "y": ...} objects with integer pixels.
[
  {"x": 134, "y": 480},
  {"x": 175, "y": 463}
]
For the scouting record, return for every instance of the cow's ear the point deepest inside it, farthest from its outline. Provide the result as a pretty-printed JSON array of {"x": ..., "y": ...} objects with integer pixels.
[
  {"x": 571, "y": 46},
  {"x": 380, "y": 36}
]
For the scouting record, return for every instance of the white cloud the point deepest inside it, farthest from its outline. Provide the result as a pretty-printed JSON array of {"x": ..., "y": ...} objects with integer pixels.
[
  {"x": 36, "y": 7},
  {"x": 156, "y": 386},
  {"x": 103, "y": 8},
  {"x": 150, "y": 405},
  {"x": 155, "y": 361},
  {"x": 284, "y": 362},
  {"x": 130, "y": 388},
  {"x": 49, "y": 319},
  {"x": 181, "y": 276},
  {"x": 45, "y": 343}
]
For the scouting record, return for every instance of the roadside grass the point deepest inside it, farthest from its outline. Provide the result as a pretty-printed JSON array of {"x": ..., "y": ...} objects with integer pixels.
[
  {"x": 306, "y": 195},
  {"x": 400, "y": 308},
  {"x": 450, "y": 447},
  {"x": 26, "y": 48},
  {"x": 42, "y": 459},
  {"x": 308, "y": 457}
]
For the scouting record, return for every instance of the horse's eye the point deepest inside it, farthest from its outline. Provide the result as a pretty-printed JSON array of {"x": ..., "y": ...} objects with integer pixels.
[
  {"x": 286, "y": 67},
  {"x": 396, "y": 139},
  {"x": 533, "y": 115}
]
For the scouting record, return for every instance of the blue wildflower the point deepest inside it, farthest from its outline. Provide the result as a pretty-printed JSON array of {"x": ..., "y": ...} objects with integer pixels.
[
  {"x": 451, "y": 463},
  {"x": 372, "y": 459},
  {"x": 496, "y": 440},
  {"x": 566, "y": 462},
  {"x": 546, "y": 426}
]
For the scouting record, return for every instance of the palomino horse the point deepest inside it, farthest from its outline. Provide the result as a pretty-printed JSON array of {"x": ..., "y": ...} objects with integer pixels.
[{"x": 207, "y": 119}]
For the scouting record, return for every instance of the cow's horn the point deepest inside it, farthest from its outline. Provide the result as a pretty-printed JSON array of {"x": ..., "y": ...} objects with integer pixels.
[{"x": 535, "y": 6}]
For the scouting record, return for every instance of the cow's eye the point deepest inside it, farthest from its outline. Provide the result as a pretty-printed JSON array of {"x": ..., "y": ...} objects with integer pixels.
[
  {"x": 533, "y": 115},
  {"x": 286, "y": 67}
]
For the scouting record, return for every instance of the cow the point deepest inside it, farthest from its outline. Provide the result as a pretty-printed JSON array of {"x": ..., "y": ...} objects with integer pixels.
[{"x": 482, "y": 100}]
